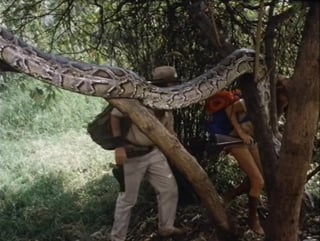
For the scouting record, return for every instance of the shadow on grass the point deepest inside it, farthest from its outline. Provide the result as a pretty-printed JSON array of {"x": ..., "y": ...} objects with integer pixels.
[{"x": 47, "y": 211}]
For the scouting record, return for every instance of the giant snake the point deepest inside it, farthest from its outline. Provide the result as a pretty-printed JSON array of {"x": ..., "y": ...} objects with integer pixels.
[{"x": 114, "y": 82}]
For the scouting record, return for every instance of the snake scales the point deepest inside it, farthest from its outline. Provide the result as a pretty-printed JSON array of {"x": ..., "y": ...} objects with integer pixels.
[{"x": 113, "y": 82}]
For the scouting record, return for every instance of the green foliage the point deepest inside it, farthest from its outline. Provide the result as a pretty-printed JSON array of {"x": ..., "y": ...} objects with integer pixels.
[
  {"x": 51, "y": 183},
  {"x": 44, "y": 208},
  {"x": 32, "y": 107},
  {"x": 37, "y": 208},
  {"x": 224, "y": 172},
  {"x": 52, "y": 176},
  {"x": 314, "y": 183},
  {"x": 313, "y": 186}
]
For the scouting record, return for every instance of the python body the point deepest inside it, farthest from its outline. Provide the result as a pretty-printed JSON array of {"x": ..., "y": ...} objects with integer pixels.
[{"x": 112, "y": 82}]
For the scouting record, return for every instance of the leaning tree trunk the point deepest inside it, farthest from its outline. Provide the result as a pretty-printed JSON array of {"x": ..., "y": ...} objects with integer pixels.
[
  {"x": 298, "y": 139},
  {"x": 181, "y": 159}
]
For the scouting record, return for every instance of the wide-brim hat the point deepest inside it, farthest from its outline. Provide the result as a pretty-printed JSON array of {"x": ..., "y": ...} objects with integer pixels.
[{"x": 164, "y": 74}]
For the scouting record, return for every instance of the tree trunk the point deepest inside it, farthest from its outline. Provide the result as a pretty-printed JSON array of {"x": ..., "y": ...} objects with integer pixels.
[
  {"x": 273, "y": 22},
  {"x": 180, "y": 158},
  {"x": 271, "y": 64},
  {"x": 262, "y": 131},
  {"x": 209, "y": 27},
  {"x": 298, "y": 139}
]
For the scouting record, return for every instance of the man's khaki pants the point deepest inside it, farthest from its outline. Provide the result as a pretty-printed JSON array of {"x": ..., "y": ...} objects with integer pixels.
[{"x": 155, "y": 168}]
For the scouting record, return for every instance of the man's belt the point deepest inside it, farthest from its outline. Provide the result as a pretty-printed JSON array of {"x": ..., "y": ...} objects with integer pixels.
[{"x": 135, "y": 151}]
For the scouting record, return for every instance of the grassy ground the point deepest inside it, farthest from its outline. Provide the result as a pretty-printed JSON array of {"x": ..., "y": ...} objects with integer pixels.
[
  {"x": 58, "y": 187},
  {"x": 53, "y": 178},
  {"x": 51, "y": 182}
]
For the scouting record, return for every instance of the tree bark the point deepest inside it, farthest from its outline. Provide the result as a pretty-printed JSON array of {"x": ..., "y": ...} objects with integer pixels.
[
  {"x": 270, "y": 36},
  {"x": 208, "y": 26},
  {"x": 271, "y": 64},
  {"x": 180, "y": 158},
  {"x": 263, "y": 134},
  {"x": 298, "y": 139}
]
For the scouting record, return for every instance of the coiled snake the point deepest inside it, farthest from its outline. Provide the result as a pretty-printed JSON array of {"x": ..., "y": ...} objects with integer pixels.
[{"x": 113, "y": 82}]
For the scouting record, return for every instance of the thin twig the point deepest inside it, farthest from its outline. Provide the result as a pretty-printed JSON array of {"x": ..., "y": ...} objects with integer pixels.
[{"x": 258, "y": 40}]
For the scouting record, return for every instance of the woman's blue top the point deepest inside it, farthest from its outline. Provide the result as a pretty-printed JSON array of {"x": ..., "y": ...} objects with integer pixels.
[{"x": 220, "y": 124}]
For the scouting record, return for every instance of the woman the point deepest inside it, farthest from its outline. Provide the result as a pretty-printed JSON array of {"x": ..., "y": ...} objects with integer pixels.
[{"x": 234, "y": 121}]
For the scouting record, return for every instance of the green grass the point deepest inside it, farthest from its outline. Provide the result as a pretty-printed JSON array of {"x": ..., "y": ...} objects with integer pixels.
[{"x": 53, "y": 177}]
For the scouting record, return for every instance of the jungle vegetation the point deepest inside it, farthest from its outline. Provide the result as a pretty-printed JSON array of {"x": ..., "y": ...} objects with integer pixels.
[{"x": 55, "y": 183}]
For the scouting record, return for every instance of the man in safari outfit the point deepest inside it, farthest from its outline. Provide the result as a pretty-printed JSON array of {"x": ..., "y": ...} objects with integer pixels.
[{"x": 142, "y": 159}]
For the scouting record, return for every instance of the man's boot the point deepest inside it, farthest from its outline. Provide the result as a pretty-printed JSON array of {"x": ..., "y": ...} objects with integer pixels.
[
  {"x": 253, "y": 217},
  {"x": 244, "y": 187}
]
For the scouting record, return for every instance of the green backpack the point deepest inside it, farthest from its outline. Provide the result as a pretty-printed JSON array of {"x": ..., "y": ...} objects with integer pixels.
[{"x": 100, "y": 128}]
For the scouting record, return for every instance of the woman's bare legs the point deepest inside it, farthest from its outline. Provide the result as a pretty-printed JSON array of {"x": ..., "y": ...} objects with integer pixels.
[
  {"x": 242, "y": 188},
  {"x": 248, "y": 164},
  {"x": 256, "y": 156},
  {"x": 251, "y": 167}
]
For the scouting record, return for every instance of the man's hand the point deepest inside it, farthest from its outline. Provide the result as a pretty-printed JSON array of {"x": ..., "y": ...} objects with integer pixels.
[{"x": 120, "y": 155}]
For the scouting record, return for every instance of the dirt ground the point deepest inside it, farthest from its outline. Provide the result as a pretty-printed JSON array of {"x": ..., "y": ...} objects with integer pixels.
[{"x": 195, "y": 219}]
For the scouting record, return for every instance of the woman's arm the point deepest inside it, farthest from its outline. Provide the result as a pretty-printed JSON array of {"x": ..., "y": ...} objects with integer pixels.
[{"x": 233, "y": 112}]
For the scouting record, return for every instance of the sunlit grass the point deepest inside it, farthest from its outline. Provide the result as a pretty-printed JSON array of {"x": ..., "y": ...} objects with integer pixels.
[
  {"x": 52, "y": 175},
  {"x": 50, "y": 181},
  {"x": 72, "y": 153}
]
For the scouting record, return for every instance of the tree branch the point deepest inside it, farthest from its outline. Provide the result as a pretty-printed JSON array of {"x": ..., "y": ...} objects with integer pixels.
[
  {"x": 198, "y": 14},
  {"x": 180, "y": 158}
]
